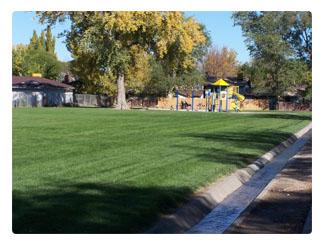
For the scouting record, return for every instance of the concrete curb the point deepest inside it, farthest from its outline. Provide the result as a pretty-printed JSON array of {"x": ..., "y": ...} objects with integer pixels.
[{"x": 204, "y": 201}]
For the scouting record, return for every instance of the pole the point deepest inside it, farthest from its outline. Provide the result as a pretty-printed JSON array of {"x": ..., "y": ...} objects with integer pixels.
[
  {"x": 227, "y": 99},
  {"x": 206, "y": 101},
  {"x": 176, "y": 100},
  {"x": 212, "y": 105},
  {"x": 220, "y": 101},
  {"x": 236, "y": 104},
  {"x": 192, "y": 100}
]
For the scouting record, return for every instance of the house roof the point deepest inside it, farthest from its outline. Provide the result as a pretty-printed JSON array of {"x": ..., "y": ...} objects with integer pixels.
[{"x": 38, "y": 81}]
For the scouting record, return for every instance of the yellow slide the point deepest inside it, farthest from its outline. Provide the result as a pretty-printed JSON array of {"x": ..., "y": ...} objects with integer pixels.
[{"x": 240, "y": 98}]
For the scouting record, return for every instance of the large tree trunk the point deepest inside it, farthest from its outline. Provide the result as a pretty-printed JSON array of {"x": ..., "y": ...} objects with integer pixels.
[{"x": 121, "y": 99}]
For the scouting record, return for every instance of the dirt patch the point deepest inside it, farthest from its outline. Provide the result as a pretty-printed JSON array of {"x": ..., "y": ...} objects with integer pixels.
[{"x": 285, "y": 203}]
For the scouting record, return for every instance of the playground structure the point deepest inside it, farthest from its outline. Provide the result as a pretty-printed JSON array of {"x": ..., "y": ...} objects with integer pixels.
[{"x": 220, "y": 97}]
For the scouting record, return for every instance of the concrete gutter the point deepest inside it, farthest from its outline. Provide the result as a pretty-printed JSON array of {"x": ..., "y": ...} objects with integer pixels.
[
  {"x": 308, "y": 224},
  {"x": 203, "y": 202}
]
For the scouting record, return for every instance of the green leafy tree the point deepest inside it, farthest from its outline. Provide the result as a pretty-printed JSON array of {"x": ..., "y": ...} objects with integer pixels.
[
  {"x": 295, "y": 74},
  {"x": 27, "y": 61},
  {"x": 274, "y": 40},
  {"x": 18, "y": 53},
  {"x": 90, "y": 79},
  {"x": 34, "y": 43},
  {"x": 190, "y": 80},
  {"x": 159, "y": 83},
  {"x": 44, "y": 41},
  {"x": 40, "y": 61},
  {"x": 36, "y": 57},
  {"x": 292, "y": 75},
  {"x": 41, "y": 41},
  {"x": 263, "y": 32},
  {"x": 299, "y": 34},
  {"x": 50, "y": 41}
]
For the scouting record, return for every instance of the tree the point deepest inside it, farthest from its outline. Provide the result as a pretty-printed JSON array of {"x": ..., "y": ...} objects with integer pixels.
[
  {"x": 27, "y": 61},
  {"x": 159, "y": 83},
  {"x": 294, "y": 74},
  {"x": 34, "y": 43},
  {"x": 36, "y": 57},
  {"x": 41, "y": 41},
  {"x": 40, "y": 61},
  {"x": 299, "y": 34},
  {"x": 272, "y": 39},
  {"x": 50, "y": 41},
  {"x": 182, "y": 43},
  {"x": 221, "y": 63},
  {"x": 112, "y": 36},
  {"x": 45, "y": 41},
  {"x": 18, "y": 54},
  {"x": 89, "y": 78},
  {"x": 138, "y": 74},
  {"x": 190, "y": 80}
]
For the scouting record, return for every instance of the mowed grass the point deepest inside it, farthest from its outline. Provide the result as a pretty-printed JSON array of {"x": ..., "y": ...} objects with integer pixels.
[{"x": 81, "y": 170}]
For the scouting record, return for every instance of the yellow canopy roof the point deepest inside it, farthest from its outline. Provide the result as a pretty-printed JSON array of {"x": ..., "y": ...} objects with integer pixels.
[{"x": 220, "y": 82}]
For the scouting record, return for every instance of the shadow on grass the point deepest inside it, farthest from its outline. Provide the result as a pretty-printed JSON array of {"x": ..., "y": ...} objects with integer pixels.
[
  {"x": 234, "y": 147},
  {"x": 261, "y": 140},
  {"x": 220, "y": 156},
  {"x": 230, "y": 147},
  {"x": 239, "y": 149},
  {"x": 286, "y": 116},
  {"x": 92, "y": 208},
  {"x": 112, "y": 208}
]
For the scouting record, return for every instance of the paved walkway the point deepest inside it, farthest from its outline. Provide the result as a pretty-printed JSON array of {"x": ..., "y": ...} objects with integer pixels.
[{"x": 295, "y": 181}]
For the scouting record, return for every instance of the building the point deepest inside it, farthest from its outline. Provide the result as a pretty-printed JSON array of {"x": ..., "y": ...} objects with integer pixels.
[{"x": 39, "y": 91}]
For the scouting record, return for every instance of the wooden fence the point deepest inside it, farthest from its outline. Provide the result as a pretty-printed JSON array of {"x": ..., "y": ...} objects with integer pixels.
[{"x": 291, "y": 106}]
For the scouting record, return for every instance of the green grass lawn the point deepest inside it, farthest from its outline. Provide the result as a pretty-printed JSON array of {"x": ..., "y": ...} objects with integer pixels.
[{"x": 104, "y": 171}]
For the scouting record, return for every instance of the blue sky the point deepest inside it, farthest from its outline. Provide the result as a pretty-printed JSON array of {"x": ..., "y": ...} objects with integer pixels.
[
  {"x": 219, "y": 24},
  {"x": 23, "y": 24},
  {"x": 222, "y": 32}
]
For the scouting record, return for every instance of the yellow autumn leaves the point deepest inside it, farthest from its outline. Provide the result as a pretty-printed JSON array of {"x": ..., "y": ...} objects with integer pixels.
[
  {"x": 122, "y": 43},
  {"x": 166, "y": 27}
]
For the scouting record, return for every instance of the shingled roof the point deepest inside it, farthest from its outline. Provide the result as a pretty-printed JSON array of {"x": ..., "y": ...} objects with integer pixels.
[{"x": 38, "y": 81}]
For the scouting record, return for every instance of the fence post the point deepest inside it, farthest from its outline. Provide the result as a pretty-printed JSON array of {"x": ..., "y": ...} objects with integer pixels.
[{"x": 176, "y": 100}]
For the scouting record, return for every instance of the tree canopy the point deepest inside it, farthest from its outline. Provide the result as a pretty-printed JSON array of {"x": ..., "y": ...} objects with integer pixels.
[
  {"x": 280, "y": 45},
  {"x": 221, "y": 63},
  {"x": 121, "y": 43},
  {"x": 36, "y": 57}
]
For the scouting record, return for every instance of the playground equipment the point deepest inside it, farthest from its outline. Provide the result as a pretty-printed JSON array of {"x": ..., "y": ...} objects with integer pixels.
[
  {"x": 234, "y": 104},
  {"x": 220, "y": 94},
  {"x": 185, "y": 104},
  {"x": 217, "y": 98}
]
